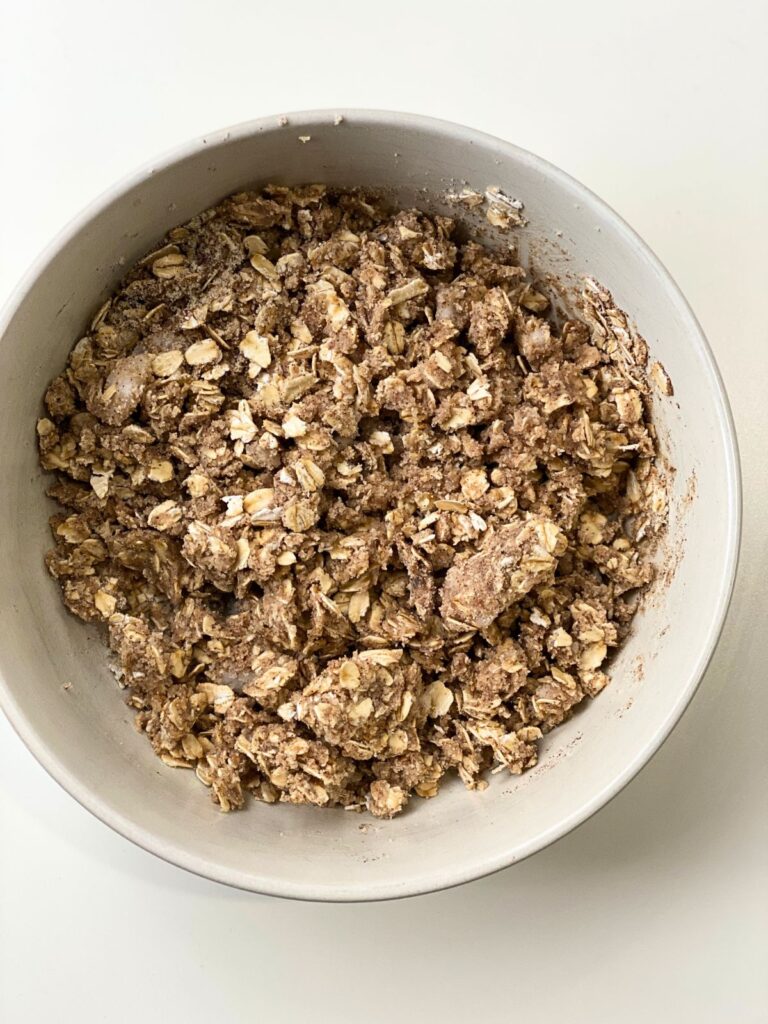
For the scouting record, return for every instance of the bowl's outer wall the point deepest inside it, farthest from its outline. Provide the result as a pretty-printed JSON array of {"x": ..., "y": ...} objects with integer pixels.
[{"x": 83, "y": 733}]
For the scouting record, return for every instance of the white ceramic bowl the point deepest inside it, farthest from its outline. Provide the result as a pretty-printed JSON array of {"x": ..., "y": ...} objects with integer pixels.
[{"x": 84, "y": 736}]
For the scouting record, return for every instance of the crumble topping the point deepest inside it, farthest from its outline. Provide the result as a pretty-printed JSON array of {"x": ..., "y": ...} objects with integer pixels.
[{"x": 354, "y": 512}]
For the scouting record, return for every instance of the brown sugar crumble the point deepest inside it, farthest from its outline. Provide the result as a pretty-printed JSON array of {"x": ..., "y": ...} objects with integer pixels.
[{"x": 354, "y": 511}]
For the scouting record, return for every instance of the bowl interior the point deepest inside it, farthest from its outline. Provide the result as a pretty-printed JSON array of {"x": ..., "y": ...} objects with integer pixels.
[{"x": 64, "y": 700}]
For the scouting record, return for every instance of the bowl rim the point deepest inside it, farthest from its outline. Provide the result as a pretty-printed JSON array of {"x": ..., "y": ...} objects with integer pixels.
[{"x": 489, "y": 864}]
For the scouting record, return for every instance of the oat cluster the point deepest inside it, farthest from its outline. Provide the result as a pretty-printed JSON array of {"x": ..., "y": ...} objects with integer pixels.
[{"x": 354, "y": 511}]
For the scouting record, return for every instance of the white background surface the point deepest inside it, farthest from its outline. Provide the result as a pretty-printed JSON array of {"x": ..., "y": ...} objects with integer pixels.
[{"x": 656, "y": 909}]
